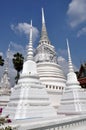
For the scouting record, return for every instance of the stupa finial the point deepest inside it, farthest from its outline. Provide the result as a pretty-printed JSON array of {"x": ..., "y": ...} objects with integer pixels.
[
  {"x": 70, "y": 65},
  {"x": 30, "y": 47},
  {"x": 43, "y": 19},
  {"x": 44, "y": 36},
  {"x": 7, "y": 59}
]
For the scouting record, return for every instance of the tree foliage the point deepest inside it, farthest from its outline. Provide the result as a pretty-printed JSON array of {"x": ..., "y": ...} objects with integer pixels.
[
  {"x": 18, "y": 60},
  {"x": 6, "y": 128},
  {"x": 4, "y": 120},
  {"x": 1, "y": 61}
]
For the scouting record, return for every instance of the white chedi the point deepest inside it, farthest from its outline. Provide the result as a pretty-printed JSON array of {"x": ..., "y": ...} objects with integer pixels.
[
  {"x": 29, "y": 99},
  {"x": 5, "y": 85},
  {"x": 72, "y": 81},
  {"x": 49, "y": 71},
  {"x": 73, "y": 101}
]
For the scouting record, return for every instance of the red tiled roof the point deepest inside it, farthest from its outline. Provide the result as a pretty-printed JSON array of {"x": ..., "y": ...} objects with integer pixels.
[{"x": 82, "y": 80}]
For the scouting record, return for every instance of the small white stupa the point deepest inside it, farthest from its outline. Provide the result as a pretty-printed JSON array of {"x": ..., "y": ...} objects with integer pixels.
[
  {"x": 5, "y": 80},
  {"x": 74, "y": 98},
  {"x": 5, "y": 86},
  {"x": 29, "y": 99}
]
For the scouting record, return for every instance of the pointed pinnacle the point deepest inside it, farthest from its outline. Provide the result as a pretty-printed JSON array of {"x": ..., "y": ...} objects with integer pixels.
[
  {"x": 30, "y": 47},
  {"x": 30, "y": 40},
  {"x": 69, "y": 58},
  {"x": 43, "y": 19}
]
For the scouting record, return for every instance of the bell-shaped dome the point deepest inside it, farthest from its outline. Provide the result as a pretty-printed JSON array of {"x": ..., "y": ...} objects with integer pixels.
[{"x": 49, "y": 71}]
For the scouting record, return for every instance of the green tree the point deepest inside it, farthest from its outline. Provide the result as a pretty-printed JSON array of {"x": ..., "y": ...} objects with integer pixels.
[
  {"x": 1, "y": 61},
  {"x": 18, "y": 60}
]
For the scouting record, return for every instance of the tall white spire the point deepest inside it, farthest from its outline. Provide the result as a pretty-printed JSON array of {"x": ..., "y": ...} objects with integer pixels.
[
  {"x": 43, "y": 19},
  {"x": 72, "y": 81},
  {"x": 30, "y": 47},
  {"x": 44, "y": 36},
  {"x": 7, "y": 59},
  {"x": 7, "y": 62},
  {"x": 69, "y": 58}
]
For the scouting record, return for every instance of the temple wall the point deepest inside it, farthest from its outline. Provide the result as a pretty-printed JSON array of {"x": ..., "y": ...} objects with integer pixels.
[
  {"x": 81, "y": 125},
  {"x": 55, "y": 98},
  {"x": 75, "y": 123}
]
